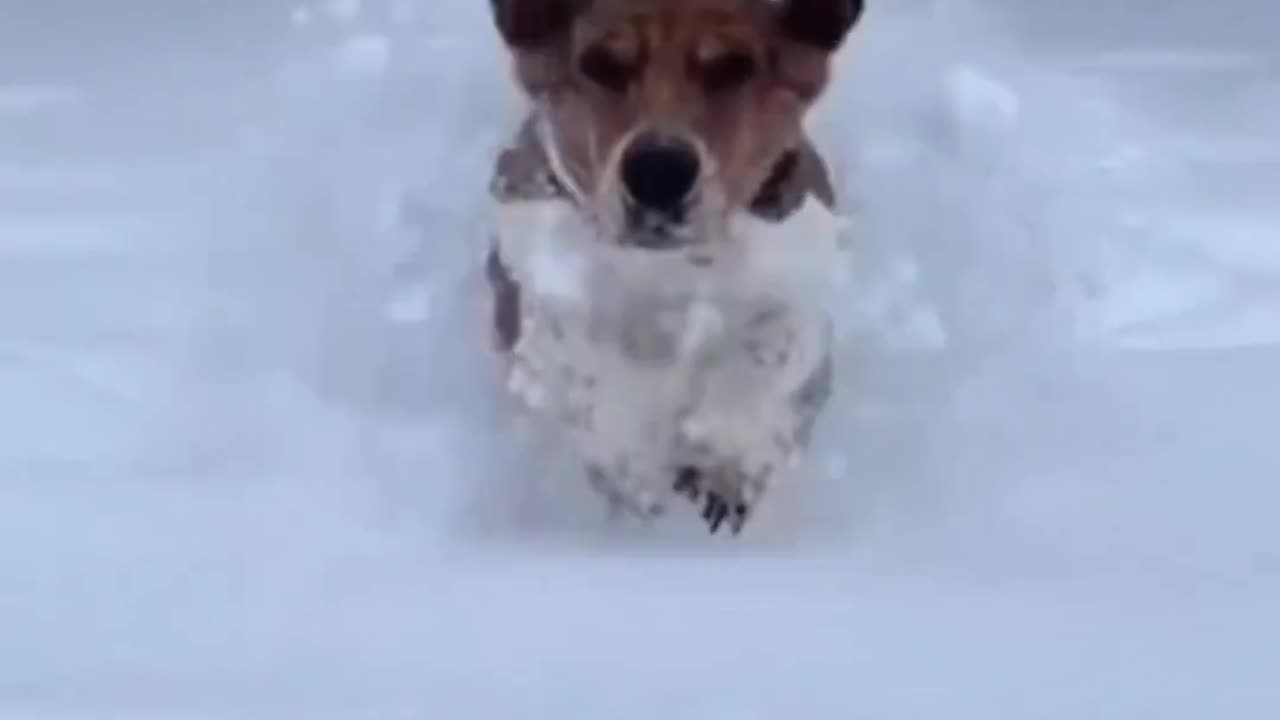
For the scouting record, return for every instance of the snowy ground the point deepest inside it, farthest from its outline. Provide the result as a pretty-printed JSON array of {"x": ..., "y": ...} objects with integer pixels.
[{"x": 252, "y": 468}]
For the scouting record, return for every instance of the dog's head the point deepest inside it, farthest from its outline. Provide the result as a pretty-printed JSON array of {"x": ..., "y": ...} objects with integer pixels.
[{"x": 669, "y": 115}]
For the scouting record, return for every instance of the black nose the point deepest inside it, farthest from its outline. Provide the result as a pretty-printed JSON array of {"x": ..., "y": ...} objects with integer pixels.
[{"x": 660, "y": 171}]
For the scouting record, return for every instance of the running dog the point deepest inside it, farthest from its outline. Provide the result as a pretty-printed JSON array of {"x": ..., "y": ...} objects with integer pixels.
[{"x": 664, "y": 238}]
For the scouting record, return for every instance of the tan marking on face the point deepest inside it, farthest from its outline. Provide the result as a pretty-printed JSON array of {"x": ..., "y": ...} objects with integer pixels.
[{"x": 717, "y": 72}]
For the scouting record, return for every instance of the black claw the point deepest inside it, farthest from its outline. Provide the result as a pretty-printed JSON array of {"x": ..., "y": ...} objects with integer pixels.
[
  {"x": 687, "y": 480},
  {"x": 716, "y": 508},
  {"x": 714, "y": 525},
  {"x": 717, "y": 512}
]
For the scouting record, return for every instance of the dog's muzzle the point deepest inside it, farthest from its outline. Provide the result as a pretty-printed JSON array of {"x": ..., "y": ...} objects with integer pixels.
[{"x": 659, "y": 173}]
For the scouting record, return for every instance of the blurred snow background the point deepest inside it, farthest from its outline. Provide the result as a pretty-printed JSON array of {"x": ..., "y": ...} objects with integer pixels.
[{"x": 252, "y": 465}]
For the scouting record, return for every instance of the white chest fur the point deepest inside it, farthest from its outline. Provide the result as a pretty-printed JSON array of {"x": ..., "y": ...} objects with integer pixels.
[{"x": 652, "y": 360}]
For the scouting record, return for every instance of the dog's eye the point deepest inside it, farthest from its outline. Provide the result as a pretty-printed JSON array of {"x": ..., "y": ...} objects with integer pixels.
[
  {"x": 605, "y": 69},
  {"x": 727, "y": 72}
]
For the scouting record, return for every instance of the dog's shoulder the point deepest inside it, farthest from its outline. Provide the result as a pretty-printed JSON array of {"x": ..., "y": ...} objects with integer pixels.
[
  {"x": 523, "y": 171},
  {"x": 518, "y": 174},
  {"x": 798, "y": 174}
]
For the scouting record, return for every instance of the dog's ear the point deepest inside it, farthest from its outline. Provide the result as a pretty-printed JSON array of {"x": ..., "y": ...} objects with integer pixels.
[
  {"x": 529, "y": 24},
  {"x": 820, "y": 23}
]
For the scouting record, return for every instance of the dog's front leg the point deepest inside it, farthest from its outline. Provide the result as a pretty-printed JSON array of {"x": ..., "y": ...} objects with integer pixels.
[
  {"x": 734, "y": 457},
  {"x": 752, "y": 416}
]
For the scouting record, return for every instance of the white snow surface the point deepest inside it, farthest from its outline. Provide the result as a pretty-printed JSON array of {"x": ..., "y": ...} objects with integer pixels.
[{"x": 255, "y": 462}]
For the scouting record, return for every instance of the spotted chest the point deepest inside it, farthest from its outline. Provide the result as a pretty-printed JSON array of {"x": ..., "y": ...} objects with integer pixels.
[{"x": 659, "y": 372}]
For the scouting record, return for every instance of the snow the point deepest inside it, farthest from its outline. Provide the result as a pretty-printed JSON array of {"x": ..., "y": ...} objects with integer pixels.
[
  {"x": 255, "y": 462},
  {"x": 30, "y": 98}
]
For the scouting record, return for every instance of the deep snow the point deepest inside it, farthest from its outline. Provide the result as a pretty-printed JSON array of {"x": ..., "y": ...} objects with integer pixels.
[{"x": 253, "y": 465}]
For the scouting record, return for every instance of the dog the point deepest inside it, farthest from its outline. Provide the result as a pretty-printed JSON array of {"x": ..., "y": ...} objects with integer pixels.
[{"x": 665, "y": 236}]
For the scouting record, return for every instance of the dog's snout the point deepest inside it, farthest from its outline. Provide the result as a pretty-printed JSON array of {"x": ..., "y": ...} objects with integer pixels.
[{"x": 660, "y": 171}]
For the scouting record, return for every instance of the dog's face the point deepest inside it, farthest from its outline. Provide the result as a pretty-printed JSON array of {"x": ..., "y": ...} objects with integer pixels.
[{"x": 668, "y": 115}]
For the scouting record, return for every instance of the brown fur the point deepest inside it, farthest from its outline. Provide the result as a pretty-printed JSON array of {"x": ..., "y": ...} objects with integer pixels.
[{"x": 737, "y": 76}]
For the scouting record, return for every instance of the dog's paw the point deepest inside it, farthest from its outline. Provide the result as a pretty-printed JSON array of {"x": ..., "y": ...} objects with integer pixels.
[
  {"x": 725, "y": 494},
  {"x": 717, "y": 510}
]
